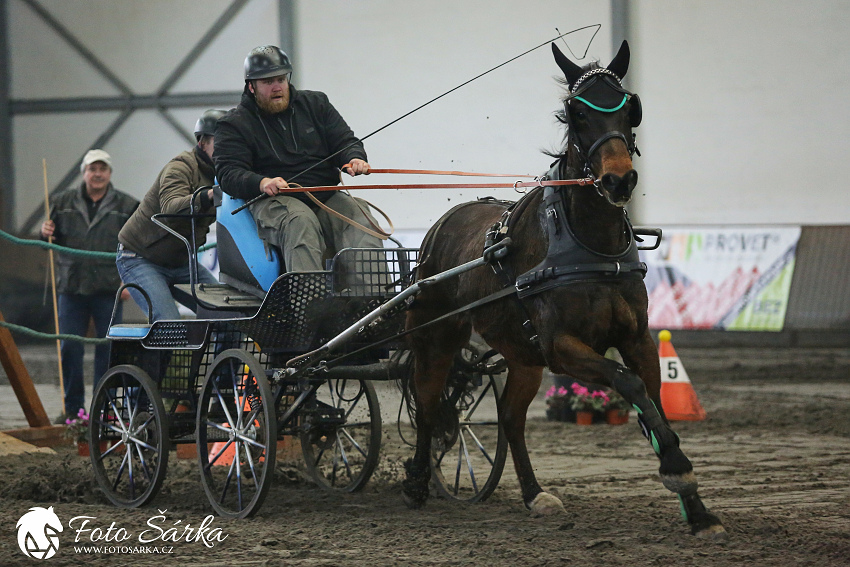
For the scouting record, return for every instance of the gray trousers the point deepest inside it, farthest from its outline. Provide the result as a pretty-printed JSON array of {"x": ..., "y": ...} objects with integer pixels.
[{"x": 307, "y": 235}]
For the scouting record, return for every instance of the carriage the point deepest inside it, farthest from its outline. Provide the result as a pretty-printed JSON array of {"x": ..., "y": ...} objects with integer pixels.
[
  {"x": 556, "y": 281},
  {"x": 221, "y": 382}
]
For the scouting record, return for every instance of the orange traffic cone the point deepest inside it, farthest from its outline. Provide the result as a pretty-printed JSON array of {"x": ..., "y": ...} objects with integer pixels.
[{"x": 678, "y": 398}]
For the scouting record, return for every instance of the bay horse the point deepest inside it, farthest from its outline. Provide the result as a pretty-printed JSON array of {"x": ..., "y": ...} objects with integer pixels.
[{"x": 580, "y": 290}]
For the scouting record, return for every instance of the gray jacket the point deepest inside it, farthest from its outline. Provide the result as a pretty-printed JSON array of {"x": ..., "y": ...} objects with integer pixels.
[{"x": 83, "y": 275}]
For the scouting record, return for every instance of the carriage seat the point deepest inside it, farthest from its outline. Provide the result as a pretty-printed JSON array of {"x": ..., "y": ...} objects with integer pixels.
[{"x": 244, "y": 260}]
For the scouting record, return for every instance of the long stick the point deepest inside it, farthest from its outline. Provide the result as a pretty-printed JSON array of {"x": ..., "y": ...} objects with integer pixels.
[{"x": 53, "y": 286}]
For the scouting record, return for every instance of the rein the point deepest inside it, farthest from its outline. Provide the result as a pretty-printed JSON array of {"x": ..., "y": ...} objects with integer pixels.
[{"x": 537, "y": 182}]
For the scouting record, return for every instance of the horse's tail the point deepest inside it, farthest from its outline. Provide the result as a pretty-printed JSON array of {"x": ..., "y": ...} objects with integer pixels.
[{"x": 402, "y": 362}]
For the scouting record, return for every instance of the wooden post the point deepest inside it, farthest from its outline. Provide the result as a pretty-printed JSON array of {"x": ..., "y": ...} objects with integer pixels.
[
  {"x": 53, "y": 286},
  {"x": 20, "y": 380}
]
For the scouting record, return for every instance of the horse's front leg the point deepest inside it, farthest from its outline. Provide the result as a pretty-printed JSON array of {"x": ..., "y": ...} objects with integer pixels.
[
  {"x": 520, "y": 388},
  {"x": 640, "y": 385}
]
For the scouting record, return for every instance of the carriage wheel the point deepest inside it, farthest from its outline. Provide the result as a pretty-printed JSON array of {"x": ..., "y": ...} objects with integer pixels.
[
  {"x": 468, "y": 453},
  {"x": 342, "y": 439},
  {"x": 128, "y": 436},
  {"x": 236, "y": 434}
]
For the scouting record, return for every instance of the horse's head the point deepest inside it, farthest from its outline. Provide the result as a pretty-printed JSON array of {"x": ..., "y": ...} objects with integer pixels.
[{"x": 600, "y": 114}]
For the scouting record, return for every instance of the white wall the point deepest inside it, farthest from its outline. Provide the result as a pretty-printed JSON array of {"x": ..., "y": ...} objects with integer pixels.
[
  {"x": 378, "y": 60},
  {"x": 743, "y": 102},
  {"x": 745, "y": 112}
]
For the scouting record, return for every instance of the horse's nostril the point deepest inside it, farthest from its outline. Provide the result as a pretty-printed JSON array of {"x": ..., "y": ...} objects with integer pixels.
[{"x": 610, "y": 181}]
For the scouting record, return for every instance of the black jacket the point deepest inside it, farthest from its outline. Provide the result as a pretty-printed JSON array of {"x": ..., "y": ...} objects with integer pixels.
[
  {"x": 251, "y": 145},
  {"x": 74, "y": 229}
]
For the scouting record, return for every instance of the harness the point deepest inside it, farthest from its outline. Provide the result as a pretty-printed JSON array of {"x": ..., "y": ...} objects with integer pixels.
[{"x": 568, "y": 260}]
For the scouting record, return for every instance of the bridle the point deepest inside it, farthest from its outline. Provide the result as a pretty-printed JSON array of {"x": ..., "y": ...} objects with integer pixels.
[{"x": 579, "y": 88}]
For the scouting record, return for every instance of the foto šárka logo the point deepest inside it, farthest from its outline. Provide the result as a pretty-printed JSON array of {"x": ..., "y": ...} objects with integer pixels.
[
  {"x": 39, "y": 529},
  {"x": 38, "y": 533}
]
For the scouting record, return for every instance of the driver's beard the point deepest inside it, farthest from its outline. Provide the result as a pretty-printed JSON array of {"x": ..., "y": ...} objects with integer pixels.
[{"x": 273, "y": 106}]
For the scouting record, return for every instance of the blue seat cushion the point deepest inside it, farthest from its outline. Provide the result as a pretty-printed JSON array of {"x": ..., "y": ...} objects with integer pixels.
[{"x": 128, "y": 331}]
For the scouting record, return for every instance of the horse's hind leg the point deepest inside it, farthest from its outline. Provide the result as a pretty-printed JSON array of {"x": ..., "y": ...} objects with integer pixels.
[
  {"x": 640, "y": 385},
  {"x": 520, "y": 388},
  {"x": 434, "y": 350}
]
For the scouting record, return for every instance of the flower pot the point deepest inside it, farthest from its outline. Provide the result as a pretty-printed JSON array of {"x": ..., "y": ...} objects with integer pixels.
[
  {"x": 83, "y": 449},
  {"x": 584, "y": 418},
  {"x": 187, "y": 451},
  {"x": 617, "y": 416}
]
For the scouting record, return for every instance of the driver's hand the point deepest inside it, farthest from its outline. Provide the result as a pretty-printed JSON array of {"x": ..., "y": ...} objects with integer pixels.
[
  {"x": 357, "y": 167},
  {"x": 272, "y": 186}
]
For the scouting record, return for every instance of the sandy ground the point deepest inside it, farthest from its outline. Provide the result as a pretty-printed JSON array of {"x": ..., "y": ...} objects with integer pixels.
[{"x": 773, "y": 460}]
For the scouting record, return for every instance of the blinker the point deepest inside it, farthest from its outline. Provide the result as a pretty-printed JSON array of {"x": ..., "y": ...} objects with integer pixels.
[{"x": 602, "y": 93}]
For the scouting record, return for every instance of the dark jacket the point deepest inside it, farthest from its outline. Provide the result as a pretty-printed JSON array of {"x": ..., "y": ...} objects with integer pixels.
[
  {"x": 170, "y": 194},
  {"x": 74, "y": 229},
  {"x": 251, "y": 145}
]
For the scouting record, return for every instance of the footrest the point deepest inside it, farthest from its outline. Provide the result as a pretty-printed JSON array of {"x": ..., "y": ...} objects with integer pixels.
[
  {"x": 128, "y": 331},
  {"x": 218, "y": 296}
]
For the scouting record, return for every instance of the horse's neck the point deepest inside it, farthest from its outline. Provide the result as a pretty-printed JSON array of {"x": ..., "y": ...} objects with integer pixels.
[{"x": 597, "y": 224}]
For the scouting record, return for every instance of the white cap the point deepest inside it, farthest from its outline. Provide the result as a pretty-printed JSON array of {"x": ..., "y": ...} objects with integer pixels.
[{"x": 93, "y": 156}]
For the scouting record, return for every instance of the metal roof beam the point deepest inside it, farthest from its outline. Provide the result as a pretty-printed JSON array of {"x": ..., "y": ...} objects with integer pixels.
[
  {"x": 222, "y": 21},
  {"x": 87, "y": 54},
  {"x": 135, "y": 102}
]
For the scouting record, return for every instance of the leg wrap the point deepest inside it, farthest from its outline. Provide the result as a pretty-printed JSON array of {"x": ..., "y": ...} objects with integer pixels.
[
  {"x": 701, "y": 521},
  {"x": 664, "y": 440}
]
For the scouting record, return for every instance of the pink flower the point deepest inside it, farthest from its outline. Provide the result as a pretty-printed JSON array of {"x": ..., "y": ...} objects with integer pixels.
[{"x": 550, "y": 392}]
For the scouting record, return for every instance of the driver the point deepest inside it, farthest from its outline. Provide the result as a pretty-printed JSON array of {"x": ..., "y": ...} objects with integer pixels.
[{"x": 276, "y": 133}]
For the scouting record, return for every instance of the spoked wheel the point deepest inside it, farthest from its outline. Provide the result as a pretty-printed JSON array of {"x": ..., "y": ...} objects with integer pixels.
[
  {"x": 236, "y": 434},
  {"x": 468, "y": 448},
  {"x": 127, "y": 436},
  {"x": 342, "y": 437}
]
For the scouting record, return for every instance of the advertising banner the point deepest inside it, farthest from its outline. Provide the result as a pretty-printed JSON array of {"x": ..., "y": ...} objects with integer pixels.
[{"x": 732, "y": 278}]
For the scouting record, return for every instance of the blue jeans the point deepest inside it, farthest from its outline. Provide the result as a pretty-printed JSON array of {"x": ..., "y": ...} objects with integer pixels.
[
  {"x": 156, "y": 280},
  {"x": 74, "y": 314}
]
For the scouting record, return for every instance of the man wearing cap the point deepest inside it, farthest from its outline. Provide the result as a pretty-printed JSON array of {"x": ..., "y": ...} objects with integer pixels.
[
  {"x": 151, "y": 257},
  {"x": 279, "y": 134},
  {"x": 87, "y": 217}
]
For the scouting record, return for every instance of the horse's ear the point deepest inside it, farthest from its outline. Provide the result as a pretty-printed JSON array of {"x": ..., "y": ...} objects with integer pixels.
[
  {"x": 620, "y": 64},
  {"x": 571, "y": 71}
]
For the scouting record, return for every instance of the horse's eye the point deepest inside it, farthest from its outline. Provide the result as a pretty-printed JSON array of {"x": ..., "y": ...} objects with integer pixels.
[{"x": 581, "y": 115}]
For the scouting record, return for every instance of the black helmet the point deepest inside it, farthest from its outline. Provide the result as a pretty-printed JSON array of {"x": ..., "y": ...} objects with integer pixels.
[
  {"x": 205, "y": 126},
  {"x": 266, "y": 61}
]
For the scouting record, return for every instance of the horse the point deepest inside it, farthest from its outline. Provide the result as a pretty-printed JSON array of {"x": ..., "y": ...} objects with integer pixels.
[{"x": 579, "y": 290}]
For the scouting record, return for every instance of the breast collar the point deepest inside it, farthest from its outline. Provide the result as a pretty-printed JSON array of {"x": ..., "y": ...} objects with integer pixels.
[{"x": 567, "y": 259}]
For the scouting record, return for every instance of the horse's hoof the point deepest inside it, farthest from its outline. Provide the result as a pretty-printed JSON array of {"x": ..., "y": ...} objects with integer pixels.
[
  {"x": 682, "y": 484},
  {"x": 544, "y": 504},
  {"x": 716, "y": 533},
  {"x": 413, "y": 503},
  {"x": 706, "y": 525}
]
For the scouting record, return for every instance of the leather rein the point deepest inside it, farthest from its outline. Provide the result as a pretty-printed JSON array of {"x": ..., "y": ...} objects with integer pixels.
[{"x": 536, "y": 182}]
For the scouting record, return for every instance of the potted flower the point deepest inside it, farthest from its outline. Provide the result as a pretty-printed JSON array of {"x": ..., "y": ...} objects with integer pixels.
[
  {"x": 557, "y": 404},
  {"x": 617, "y": 412},
  {"x": 77, "y": 430},
  {"x": 585, "y": 402}
]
